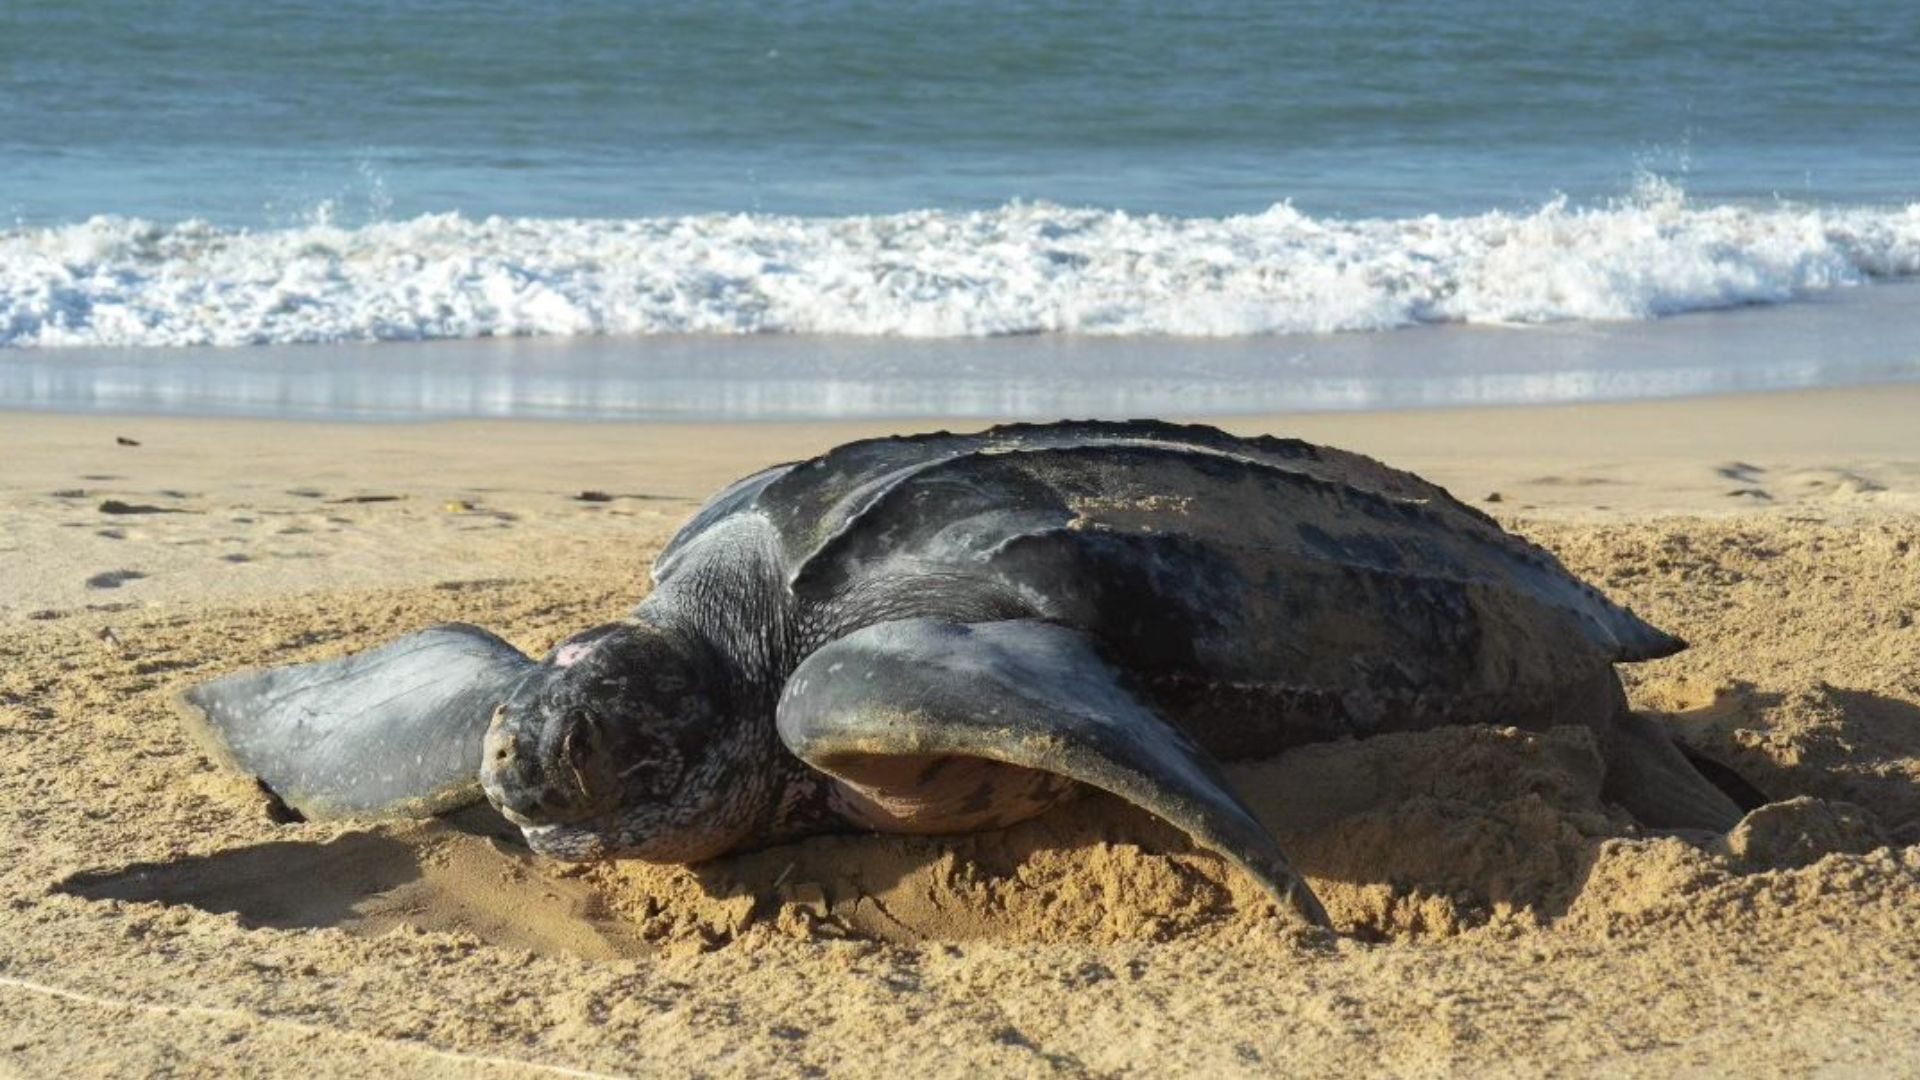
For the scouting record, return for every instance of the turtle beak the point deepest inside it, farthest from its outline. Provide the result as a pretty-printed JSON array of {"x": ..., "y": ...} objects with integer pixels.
[
  {"x": 538, "y": 768},
  {"x": 498, "y": 755}
]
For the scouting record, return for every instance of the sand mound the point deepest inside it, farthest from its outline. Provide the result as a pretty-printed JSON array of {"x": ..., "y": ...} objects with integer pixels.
[
  {"x": 1854, "y": 746},
  {"x": 1408, "y": 834}
]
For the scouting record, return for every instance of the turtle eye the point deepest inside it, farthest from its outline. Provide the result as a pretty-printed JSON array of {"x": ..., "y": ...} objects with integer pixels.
[{"x": 582, "y": 739}]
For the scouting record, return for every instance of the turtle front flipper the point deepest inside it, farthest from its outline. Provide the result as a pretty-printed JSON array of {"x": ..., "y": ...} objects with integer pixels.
[
  {"x": 896, "y": 707},
  {"x": 395, "y": 732}
]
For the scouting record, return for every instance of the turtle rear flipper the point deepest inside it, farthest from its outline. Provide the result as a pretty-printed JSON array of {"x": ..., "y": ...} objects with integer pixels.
[
  {"x": 394, "y": 732},
  {"x": 1649, "y": 775},
  {"x": 922, "y": 693}
]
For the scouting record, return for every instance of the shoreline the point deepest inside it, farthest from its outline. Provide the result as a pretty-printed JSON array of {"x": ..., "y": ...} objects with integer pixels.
[{"x": 1845, "y": 336}]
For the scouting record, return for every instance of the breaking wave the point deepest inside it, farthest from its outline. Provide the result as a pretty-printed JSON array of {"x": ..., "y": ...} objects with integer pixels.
[{"x": 1024, "y": 268}]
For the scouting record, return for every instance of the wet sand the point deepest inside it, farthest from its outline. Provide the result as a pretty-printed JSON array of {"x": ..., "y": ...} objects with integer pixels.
[{"x": 1500, "y": 915}]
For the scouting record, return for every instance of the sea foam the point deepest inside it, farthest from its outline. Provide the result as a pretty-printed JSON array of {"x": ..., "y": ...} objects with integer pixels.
[{"x": 1024, "y": 268}]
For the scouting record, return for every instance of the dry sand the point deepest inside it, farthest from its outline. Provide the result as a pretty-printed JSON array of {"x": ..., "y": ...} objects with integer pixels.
[{"x": 154, "y": 917}]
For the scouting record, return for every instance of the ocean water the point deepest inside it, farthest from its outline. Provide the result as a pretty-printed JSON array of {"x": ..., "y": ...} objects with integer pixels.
[{"x": 250, "y": 175}]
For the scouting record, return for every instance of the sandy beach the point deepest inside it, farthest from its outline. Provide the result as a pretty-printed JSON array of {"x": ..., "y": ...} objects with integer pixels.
[{"x": 1498, "y": 916}]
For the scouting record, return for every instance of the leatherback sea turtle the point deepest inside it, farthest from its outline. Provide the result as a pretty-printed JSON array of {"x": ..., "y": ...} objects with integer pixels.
[{"x": 946, "y": 633}]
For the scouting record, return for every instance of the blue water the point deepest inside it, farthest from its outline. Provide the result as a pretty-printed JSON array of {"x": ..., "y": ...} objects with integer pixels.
[
  {"x": 269, "y": 112},
  {"x": 189, "y": 189}
]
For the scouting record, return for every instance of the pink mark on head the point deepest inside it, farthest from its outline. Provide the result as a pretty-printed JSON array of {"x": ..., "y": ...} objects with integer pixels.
[{"x": 570, "y": 653}]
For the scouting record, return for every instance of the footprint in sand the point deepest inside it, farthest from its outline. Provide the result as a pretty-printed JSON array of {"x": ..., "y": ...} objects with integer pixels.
[
  {"x": 1742, "y": 473},
  {"x": 115, "y": 506},
  {"x": 1571, "y": 481},
  {"x": 113, "y": 579}
]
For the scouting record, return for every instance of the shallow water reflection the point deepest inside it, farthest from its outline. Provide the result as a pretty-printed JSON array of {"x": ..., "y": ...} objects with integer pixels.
[{"x": 1847, "y": 337}]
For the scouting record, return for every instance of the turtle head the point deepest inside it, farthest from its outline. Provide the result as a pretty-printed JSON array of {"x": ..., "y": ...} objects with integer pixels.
[{"x": 620, "y": 745}]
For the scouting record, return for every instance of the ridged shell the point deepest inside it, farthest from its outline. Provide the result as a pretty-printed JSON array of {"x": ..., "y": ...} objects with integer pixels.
[{"x": 1202, "y": 559}]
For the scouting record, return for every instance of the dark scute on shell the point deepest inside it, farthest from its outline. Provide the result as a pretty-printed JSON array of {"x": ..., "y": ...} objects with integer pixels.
[
  {"x": 1160, "y": 602},
  {"x": 951, "y": 511}
]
